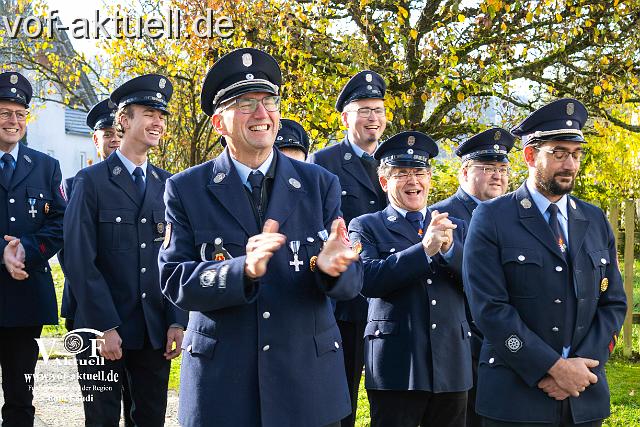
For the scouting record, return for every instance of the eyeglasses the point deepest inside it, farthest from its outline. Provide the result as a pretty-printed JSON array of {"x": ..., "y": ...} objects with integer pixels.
[
  {"x": 21, "y": 115},
  {"x": 403, "y": 176},
  {"x": 365, "y": 112},
  {"x": 490, "y": 170},
  {"x": 562, "y": 155},
  {"x": 250, "y": 105}
]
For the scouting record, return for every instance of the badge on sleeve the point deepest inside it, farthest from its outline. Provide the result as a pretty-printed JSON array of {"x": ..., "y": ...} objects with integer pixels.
[
  {"x": 513, "y": 343},
  {"x": 604, "y": 285},
  {"x": 357, "y": 247}
]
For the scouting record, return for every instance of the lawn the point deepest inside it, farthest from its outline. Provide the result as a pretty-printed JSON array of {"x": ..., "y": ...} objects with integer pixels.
[{"x": 623, "y": 375}]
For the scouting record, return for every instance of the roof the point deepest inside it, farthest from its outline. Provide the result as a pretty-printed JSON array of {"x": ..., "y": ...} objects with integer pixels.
[{"x": 75, "y": 122}]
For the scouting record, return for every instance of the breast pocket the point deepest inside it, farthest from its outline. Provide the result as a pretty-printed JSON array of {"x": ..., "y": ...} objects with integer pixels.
[
  {"x": 523, "y": 270},
  {"x": 387, "y": 249},
  {"x": 38, "y": 204},
  {"x": 217, "y": 245},
  {"x": 117, "y": 229}
]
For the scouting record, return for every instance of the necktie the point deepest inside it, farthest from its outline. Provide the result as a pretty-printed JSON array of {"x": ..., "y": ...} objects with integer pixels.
[
  {"x": 255, "y": 180},
  {"x": 139, "y": 181},
  {"x": 555, "y": 228},
  {"x": 415, "y": 219},
  {"x": 7, "y": 169}
]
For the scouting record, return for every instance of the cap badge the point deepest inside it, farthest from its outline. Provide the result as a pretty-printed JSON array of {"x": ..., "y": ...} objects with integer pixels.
[
  {"x": 158, "y": 95},
  {"x": 369, "y": 87},
  {"x": 526, "y": 203},
  {"x": 162, "y": 83},
  {"x": 294, "y": 183},
  {"x": 571, "y": 108},
  {"x": 569, "y": 123},
  {"x": 111, "y": 105},
  {"x": 410, "y": 151},
  {"x": 347, "y": 156},
  {"x": 279, "y": 138},
  {"x": 218, "y": 178},
  {"x": 247, "y": 60},
  {"x": 496, "y": 147},
  {"x": 13, "y": 79},
  {"x": 497, "y": 136},
  {"x": 369, "y": 77},
  {"x": 411, "y": 140},
  {"x": 249, "y": 76},
  {"x": 13, "y": 90},
  {"x": 117, "y": 170}
]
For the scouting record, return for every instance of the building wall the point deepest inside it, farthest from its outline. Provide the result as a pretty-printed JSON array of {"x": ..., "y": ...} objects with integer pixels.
[{"x": 46, "y": 132}]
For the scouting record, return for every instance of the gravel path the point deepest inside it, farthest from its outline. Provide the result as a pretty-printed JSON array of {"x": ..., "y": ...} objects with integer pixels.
[{"x": 58, "y": 400}]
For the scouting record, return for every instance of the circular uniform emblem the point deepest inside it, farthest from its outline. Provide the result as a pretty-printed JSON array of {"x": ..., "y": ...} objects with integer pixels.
[
  {"x": 116, "y": 171},
  {"x": 162, "y": 83},
  {"x": 159, "y": 95},
  {"x": 410, "y": 151},
  {"x": 411, "y": 140},
  {"x": 513, "y": 343},
  {"x": 13, "y": 90},
  {"x": 569, "y": 123},
  {"x": 497, "y": 136},
  {"x": 294, "y": 183},
  {"x": 218, "y": 178},
  {"x": 347, "y": 156},
  {"x": 496, "y": 147},
  {"x": 369, "y": 77},
  {"x": 13, "y": 79},
  {"x": 526, "y": 203},
  {"x": 571, "y": 108},
  {"x": 249, "y": 76},
  {"x": 392, "y": 218}
]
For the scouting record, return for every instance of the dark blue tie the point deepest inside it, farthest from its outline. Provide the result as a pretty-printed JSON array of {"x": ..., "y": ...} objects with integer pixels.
[
  {"x": 139, "y": 181},
  {"x": 255, "y": 180},
  {"x": 7, "y": 169},
  {"x": 415, "y": 219},
  {"x": 555, "y": 228}
]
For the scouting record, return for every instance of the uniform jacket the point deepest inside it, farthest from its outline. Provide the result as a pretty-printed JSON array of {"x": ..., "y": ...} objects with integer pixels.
[
  {"x": 417, "y": 335},
  {"x": 461, "y": 206},
  {"x": 265, "y": 352},
  {"x": 35, "y": 184},
  {"x": 516, "y": 278},
  {"x": 113, "y": 240},
  {"x": 359, "y": 196}
]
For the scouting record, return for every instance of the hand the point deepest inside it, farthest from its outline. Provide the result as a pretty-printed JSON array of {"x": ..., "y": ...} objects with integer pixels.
[
  {"x": 551, "y": 387},
  {"x": 174, "y": 335},
  {"x": 261, "y": 247},
  {"x": 439, "y": 234},
  {"x": 111, "y": 348},
  {"x": 335, "y": 257},
  {"x": 573, "y": 374},
  {"x": 14, "y": 257}
]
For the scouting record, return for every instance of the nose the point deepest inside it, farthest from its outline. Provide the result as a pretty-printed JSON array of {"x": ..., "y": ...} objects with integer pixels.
[{"x": 261, "y": 111}]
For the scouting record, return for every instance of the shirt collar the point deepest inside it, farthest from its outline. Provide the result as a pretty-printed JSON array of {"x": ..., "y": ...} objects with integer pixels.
[
  {"x": 14, "y": 152},
  {"x": 543, "y": 203},
  {"x": 403, "y": 212},
  {"x": 356, "y": 149},
  {"x": 471, "y": 196},
  {"x": 130, "y": 166},
  {"x": 244, "y": 170}
]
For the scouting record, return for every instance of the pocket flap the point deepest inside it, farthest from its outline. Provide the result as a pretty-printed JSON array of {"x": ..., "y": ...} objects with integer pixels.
[
  {"x": 521, "y": 256},
  {"x": 158, "y": 216},
  {"x": 376, "y": 328},
  {"x": 600, "y": 258},
  {"x": 197, "y": 343},
  {"x": 38, "y": 194},
  {"x": 328, "y": 340},
  {"x": 229, "y": 236},
  {"x": 117, "y": 216}
]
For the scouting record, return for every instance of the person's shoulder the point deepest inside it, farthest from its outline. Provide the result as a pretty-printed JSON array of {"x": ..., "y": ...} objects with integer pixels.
[
  {"x": 448, "y": 202},
  {"x": 589, "y": 209},
  {"x": 33, "y": 155},
  {"x": 162, "y": 173},
  {"x": 197, "y": 172},
  {"x": 327, "y": 154}
]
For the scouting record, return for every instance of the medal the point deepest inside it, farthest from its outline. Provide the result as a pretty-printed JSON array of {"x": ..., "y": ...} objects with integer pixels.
[
  {"x": 33, "y": 210},
  {"x": 604, "y": 285},
  {"x": 46, "y": 208},
  {"x": 324, "y": 235},
  {"x": 294, "y": 245}
]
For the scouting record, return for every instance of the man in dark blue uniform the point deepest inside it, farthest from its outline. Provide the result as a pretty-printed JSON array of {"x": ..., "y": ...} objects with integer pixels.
[
  {"x": 31, "y": 226},
  {"x": 417, "y": 355},
  {"x": 248, "y": 253},
  {"x": 542, "y": 279},
  {"x": 113, "y": 231},
  {"x": 292, "y": 140},
  {"x": 106, "y": 140},
  {"x": 484, "y": 175},
  {"x": 361, "y": 103}
]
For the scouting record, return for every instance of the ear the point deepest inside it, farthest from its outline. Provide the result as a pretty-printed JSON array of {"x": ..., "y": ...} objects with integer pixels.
[
  {"x": 529, "y": 155},
  {"x": 344, "y": 115},
  {"x": 95, "y": 141},
  {"x": 217, "y": 122},
  {"x": 124, "y": 121},
  {"x": 383, "y": 182}
]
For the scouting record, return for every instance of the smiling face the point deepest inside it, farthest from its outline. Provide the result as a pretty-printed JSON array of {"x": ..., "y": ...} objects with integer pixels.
[
  {"x": 106, "y": 141},
  {"x": 12, "y": 130},
  {"x": 365, "y": 132},
  {"x": 407, "y": 188},
  {"x": 249, "y": 136},
  {"x": 143, "y": 126},
  {"x": 484, "y": 186}
]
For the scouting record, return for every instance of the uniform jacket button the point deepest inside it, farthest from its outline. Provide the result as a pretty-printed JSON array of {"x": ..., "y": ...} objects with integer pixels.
[
  {"x": 558, "y": 268},
  {"x": 143, "y": 245},
  {"x": 265, "y": 348},
  {"x": 12, "y": 200},
  {"x": 377, "y": 332},
  {"x": 344, "y": 193},
  {"x": 143, "y": 220},
  {"x": 144, "y": 295},
  {"x": 266, "y": 315},
  {"x": 557, "y": 301},
  {"x": 336, "y": 344},
  {"x": 372, "y": 202},
  {"x": 118, "y": 219},
  {"x": 492, "y": 360},
  {"x": 521, "y": 258},
  {"x": 433, "y": 326},
  {"x": 555, "y": 329},
  {"x": 433, "y": 302},
  {"x": 143, "y": 270},
  {"x": 602, "y": 260},
  {"x": 429, "y": 281},
  {"x": 189, "y": 348},
  {"x": 13, "y": 219}
]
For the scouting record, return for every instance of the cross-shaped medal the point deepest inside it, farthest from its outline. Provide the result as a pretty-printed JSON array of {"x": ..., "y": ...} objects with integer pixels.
[
  {"x": 295, "y": 246},
  {"x": 33, "y": 210}
]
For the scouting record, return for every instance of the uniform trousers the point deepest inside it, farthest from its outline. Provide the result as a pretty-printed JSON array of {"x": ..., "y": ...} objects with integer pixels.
[{"x": 352, "y": 334}]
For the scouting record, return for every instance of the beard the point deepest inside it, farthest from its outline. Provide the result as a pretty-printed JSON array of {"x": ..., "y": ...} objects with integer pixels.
[{"x": 551, "y": 186}]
